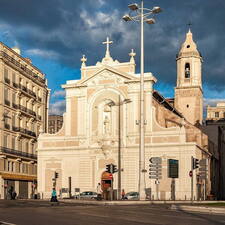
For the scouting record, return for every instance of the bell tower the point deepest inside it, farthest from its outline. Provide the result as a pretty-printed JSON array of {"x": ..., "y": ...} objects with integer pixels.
[{"x": 188, "y": 92}]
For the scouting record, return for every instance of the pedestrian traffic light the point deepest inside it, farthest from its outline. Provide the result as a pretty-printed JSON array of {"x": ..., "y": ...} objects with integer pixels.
[
  {"x": 56, "y": 175},
  {"x": 108, "y": 167},
  {"x": 195, "y": 163}
]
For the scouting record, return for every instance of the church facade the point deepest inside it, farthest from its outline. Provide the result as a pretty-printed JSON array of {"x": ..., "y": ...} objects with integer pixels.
[{"x": 101, "y": 122}]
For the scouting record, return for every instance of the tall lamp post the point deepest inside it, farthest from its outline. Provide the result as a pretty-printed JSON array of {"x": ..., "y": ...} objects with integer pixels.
[
  {"x": 119, "y": 103},
  {"x": 141, "y": 14}
]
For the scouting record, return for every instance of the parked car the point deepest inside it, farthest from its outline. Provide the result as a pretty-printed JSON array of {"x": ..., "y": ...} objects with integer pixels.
[
  {"x": 88, "y": 195},
  {"x": 132, "y": 195}
]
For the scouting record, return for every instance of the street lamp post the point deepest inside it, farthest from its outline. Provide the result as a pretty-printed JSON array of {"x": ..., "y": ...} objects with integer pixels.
[
  {"x": 119, "y": 103},
  {"x": 141, "y": 16}
]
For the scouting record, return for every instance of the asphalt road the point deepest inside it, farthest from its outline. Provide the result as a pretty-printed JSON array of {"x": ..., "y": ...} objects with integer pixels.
[{"x": 43, "y": 213}]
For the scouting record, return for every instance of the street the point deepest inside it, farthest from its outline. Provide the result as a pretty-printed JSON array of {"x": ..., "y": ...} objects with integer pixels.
[{"x": 43, "y": 213}]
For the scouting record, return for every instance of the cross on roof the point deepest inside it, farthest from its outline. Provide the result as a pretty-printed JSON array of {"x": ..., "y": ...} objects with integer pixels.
[
  {"x": 107, "y": 43},
  {"x": 190, "y": 24}
]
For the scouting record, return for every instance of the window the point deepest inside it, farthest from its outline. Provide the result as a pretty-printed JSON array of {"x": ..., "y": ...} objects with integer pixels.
[
  {"x": 14, "y": 77},
  {"x": 9, "y": 166},
  {"x": 217, "y": 114},
  {"x": 6, "y": 92},
  {"x": 13, "y": 166},
  {"x": 13, "y": 142},
  {"x": 5, "y": 141},
  {"x": 14, "y": 97},
  {"x": 20, "y": 145},
  {"x": 27, "y": 147},
  {"x": 13, "y": 120},
  {"x": 6, "y": 74},
  {"x": 187, "y": 70}
]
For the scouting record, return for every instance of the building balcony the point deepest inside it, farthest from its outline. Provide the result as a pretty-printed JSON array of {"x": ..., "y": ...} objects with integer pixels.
[
  {"x": 15, "y": 85},
  {"x": 17, "y": 153},
  {"x": 26, "y": 110},
  {"x": 7, "y": 102},
  {"x": 39, "y": 99},
  {"x": 24, "y": 131},
  {"x": 7, "y": 126},
  {"x": 27, "y": 91},
  {"x": 21, "y": 67},
  {"x": 7, "y": 80}
]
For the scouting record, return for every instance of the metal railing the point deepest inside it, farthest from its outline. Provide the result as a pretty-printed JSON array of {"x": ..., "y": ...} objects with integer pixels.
[
  {"x": 7, "y": 126},
  {"x": 7, "y": 102},
  {"x": 24, "y": 131},
  {"x": 7, "y": 80},
  {"x": 22, "y": 67},
  {"x": 17, "y": 153}
]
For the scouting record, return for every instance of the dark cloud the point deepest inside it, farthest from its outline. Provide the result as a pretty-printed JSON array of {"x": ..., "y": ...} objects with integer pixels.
[{"x": 71, "y": 28}]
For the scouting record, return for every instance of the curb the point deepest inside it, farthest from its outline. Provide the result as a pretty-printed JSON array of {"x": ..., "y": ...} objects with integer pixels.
[{"x": 204, "y": 209}]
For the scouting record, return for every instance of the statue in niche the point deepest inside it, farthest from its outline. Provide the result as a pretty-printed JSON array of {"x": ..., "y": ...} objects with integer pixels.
[{"x": 106, "y": 119}]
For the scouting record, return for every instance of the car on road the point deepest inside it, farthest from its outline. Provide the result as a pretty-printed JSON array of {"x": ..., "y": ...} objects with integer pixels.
[
  {"x": 88, "y": 195},
  {"x": 132, "y": 195}
]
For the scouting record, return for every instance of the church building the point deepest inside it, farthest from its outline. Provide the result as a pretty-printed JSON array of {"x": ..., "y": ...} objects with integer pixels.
[{"x": 101, "y": 127}]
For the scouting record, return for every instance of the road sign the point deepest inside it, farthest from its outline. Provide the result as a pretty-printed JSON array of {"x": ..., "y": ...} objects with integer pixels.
[
  {"x": 155, "y": 168},
  {"x": 155, "y": 173},
  {"x": 155, "y": 177},
  {"x": 155, "y": 165},
  {"x": 190, "y": 173},
  {"x": 157, "y": 160}
]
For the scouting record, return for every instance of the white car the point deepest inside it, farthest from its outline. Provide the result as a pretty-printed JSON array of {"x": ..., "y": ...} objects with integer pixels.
[
  {"x": 88, "y": 195},
  {"x": 132, "y": 195}
]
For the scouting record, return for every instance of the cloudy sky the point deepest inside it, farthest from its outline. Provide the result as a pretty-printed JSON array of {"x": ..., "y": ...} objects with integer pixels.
[{"x": 56, "y": 33}]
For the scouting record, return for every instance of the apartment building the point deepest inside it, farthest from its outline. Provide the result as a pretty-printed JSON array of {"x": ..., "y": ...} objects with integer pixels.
[
  {"x": 23, "y": 115},
  {"x": 55, "y": 123},
  {"x": 217, "y": 112}
]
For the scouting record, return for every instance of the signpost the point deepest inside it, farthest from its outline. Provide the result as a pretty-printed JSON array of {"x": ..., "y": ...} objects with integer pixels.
[{"x": 155, "y": 172}]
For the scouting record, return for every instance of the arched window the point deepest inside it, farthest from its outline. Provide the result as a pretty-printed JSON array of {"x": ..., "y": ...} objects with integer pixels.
[{"x": 187, "y": 70}]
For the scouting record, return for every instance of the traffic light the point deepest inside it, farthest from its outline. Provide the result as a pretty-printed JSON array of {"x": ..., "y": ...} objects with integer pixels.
[
  {"x": 114, "y": 169},
  {"x": 111, "y": 168},
  {"x": 195, "y": 163},
  {"x": 108, "y": 167},
  {"x": 56, "y": 175}
]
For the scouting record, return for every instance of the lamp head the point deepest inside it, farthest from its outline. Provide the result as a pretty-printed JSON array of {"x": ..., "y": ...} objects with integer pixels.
[
  {"x": 156, "y": 10},
  {"x": 133, "y": 6},
  {"x": 127, "y": 18},
  {"x": 150, "y": 21}
]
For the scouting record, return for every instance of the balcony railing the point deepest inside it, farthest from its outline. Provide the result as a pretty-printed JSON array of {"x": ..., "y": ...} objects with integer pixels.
[
  {"x": 26, "y": 110},
  {"x": 15, "y": 85},
  {"x": 22, "y": 67},
  {"x": 17, "y": 153},
  {"x": 7, "y": 80},
  {"x": 7, "y": 102},
  {"x": 24, "y": 131},
  {"x": 7, "y": 126}
]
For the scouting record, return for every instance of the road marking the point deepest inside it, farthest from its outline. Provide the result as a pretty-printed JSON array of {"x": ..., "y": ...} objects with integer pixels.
[{"x": 5, "y": 223}]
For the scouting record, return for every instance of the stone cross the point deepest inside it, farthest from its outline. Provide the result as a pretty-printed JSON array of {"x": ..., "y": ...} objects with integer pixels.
[{"x": 107, "y": 43}]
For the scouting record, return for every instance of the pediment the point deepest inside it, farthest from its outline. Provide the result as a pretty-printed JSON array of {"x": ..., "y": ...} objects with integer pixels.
[{"x": 108, "y": 75}]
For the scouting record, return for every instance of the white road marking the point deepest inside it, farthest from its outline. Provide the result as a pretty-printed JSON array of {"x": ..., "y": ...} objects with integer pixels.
[{"x": 5, "y": 223}]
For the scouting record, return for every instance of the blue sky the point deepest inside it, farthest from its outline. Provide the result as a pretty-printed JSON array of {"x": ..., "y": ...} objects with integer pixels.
[{"x": 56, "y": 33}]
